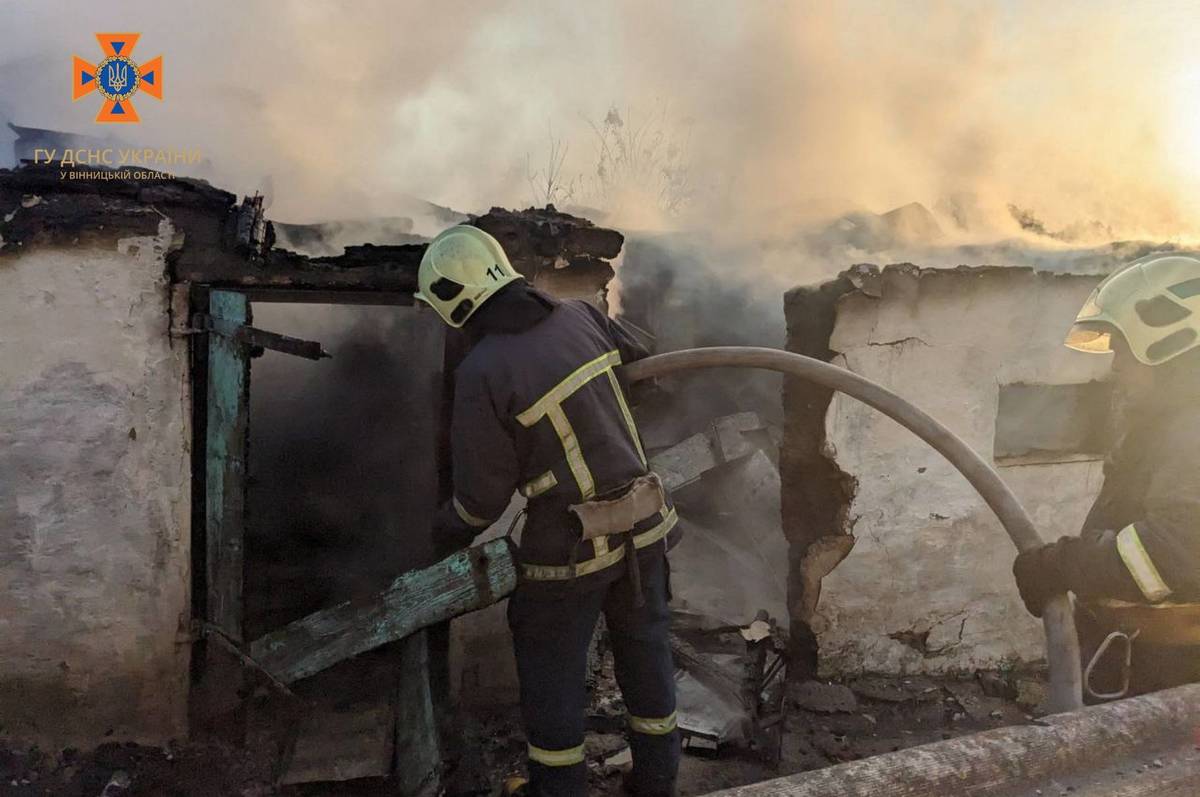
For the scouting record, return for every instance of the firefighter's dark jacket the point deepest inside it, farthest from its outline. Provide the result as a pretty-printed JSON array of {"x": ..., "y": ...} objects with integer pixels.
[
  {"x": 1141, "y": 540},
  {"x": 542, "y": 411}
]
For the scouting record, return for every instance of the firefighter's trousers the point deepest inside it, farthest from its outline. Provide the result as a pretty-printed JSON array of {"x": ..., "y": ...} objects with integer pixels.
[{"x": 551, "y": 638}]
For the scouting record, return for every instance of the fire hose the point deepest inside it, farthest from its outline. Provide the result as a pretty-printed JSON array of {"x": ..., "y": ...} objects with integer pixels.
[
  {"x": 481, "y": 575},
  {"x": 1062, "y": 642}
]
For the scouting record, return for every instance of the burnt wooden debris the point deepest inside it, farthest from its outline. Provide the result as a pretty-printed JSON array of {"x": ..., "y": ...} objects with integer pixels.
[
  {"x": 258, "y": 338},
  {"x": 468, "y": 580},
  {"x": 540, "y": 240},
  {"x": 222, "y": 243},
  {"x": 39, "y": 208}
]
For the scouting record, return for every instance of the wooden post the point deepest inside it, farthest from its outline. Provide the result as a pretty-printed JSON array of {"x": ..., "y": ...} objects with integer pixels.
[
  {"x": 225, "y": 468},
  {"x": 418, "y": 754}
]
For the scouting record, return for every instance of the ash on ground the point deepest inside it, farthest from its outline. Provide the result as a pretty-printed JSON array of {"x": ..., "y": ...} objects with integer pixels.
[{"x": 826, "y": 723}]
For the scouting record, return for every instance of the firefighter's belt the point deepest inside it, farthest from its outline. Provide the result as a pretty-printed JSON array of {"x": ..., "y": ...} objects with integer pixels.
[
  {"x": 644, "y": 498},
  {"x": 602, "y": 560}
]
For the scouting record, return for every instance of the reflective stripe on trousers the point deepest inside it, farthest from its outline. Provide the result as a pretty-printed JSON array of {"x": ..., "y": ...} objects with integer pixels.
[
  {"x": 654, "y": 726},
  {"x": 557, "y": 758},
  {"x": 551, "y": 638}
]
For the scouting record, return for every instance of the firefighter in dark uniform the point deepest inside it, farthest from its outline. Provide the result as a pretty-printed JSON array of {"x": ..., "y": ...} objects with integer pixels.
[
  {"x": 538, "y": 408},
  {"x": 1140, "y": 543}
]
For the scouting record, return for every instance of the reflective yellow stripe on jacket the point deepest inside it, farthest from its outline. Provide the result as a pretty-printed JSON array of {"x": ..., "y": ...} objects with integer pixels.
[
  {"x": 1141, "y": 566},
  {"x": 544, "y": 483},
  {"x": 637, "y": 441},
  {"x": 550, "y": 406}
]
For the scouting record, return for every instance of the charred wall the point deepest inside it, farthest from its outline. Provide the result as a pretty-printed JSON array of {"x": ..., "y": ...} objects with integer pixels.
[
  {"x": 95, "y": 439},
  {"x": 926, "y": 586},
  {"x": 816, "y": 494}
]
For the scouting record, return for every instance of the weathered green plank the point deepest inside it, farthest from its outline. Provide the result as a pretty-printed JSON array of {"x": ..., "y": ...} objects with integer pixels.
[
  {"x": 464, "y": 582},
  {"x": 225, "y": 466}
]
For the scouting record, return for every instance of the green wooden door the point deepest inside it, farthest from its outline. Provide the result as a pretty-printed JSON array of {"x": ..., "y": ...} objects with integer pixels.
[{"x": 411, "y": 751}]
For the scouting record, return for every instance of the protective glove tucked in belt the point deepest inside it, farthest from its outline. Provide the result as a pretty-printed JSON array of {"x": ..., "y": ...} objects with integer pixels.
[{"x": 1039, "y": 577}]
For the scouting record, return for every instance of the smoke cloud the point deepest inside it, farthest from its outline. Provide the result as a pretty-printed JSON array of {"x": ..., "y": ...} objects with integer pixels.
[
  {"x": 752, "y": 146},
  {"x": 343, "y": 482},
  {"x": 1078, "y": 112}
]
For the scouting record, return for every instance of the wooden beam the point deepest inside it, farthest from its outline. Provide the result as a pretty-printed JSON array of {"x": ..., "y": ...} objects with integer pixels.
[
  {"x": 317, "y": 296},
  {"x": 464, "y": 582},
  {"x": 361, "y": 268},
  {"x": 690, "y": 458}
]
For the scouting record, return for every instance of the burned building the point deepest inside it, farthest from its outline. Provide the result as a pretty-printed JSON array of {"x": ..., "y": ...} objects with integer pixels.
[
  {"x": 211, "y": 528},
  {"x": 979, "y": 348},
  {"x": 144, "y": 546},
  {"x": 898, "y": 565}
]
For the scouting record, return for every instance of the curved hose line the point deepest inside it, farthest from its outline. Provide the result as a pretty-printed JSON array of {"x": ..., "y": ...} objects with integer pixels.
[{"x": 1062, "y": 643}]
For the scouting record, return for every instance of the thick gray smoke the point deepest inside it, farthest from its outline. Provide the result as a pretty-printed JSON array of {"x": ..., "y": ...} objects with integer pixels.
[
  {"x": 766, "y": 112},
  {"x": 342, "y": 467}
]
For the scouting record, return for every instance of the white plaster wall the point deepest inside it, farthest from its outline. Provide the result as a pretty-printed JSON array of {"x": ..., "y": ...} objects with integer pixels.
[
  {"x": 94, "y": 497},
  {"x": 930, "y": 556}
]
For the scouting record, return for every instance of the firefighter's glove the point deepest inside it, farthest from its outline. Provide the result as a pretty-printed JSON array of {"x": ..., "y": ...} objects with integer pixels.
[
  {"x": 1039, "y": 577},
  {"x": 451, "y": 533}
]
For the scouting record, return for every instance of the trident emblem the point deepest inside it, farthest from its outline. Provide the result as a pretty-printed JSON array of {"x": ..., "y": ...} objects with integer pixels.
[{"x": 118, "y": 77}]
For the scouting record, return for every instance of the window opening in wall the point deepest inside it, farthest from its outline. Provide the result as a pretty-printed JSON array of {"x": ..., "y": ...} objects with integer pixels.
[{"x": 1038, "y": 423}]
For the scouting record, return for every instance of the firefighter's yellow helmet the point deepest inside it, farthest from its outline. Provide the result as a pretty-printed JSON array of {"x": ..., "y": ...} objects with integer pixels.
[
  {"x": 1153, "y": 303},
  {"x": 461, "y": 269}
]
